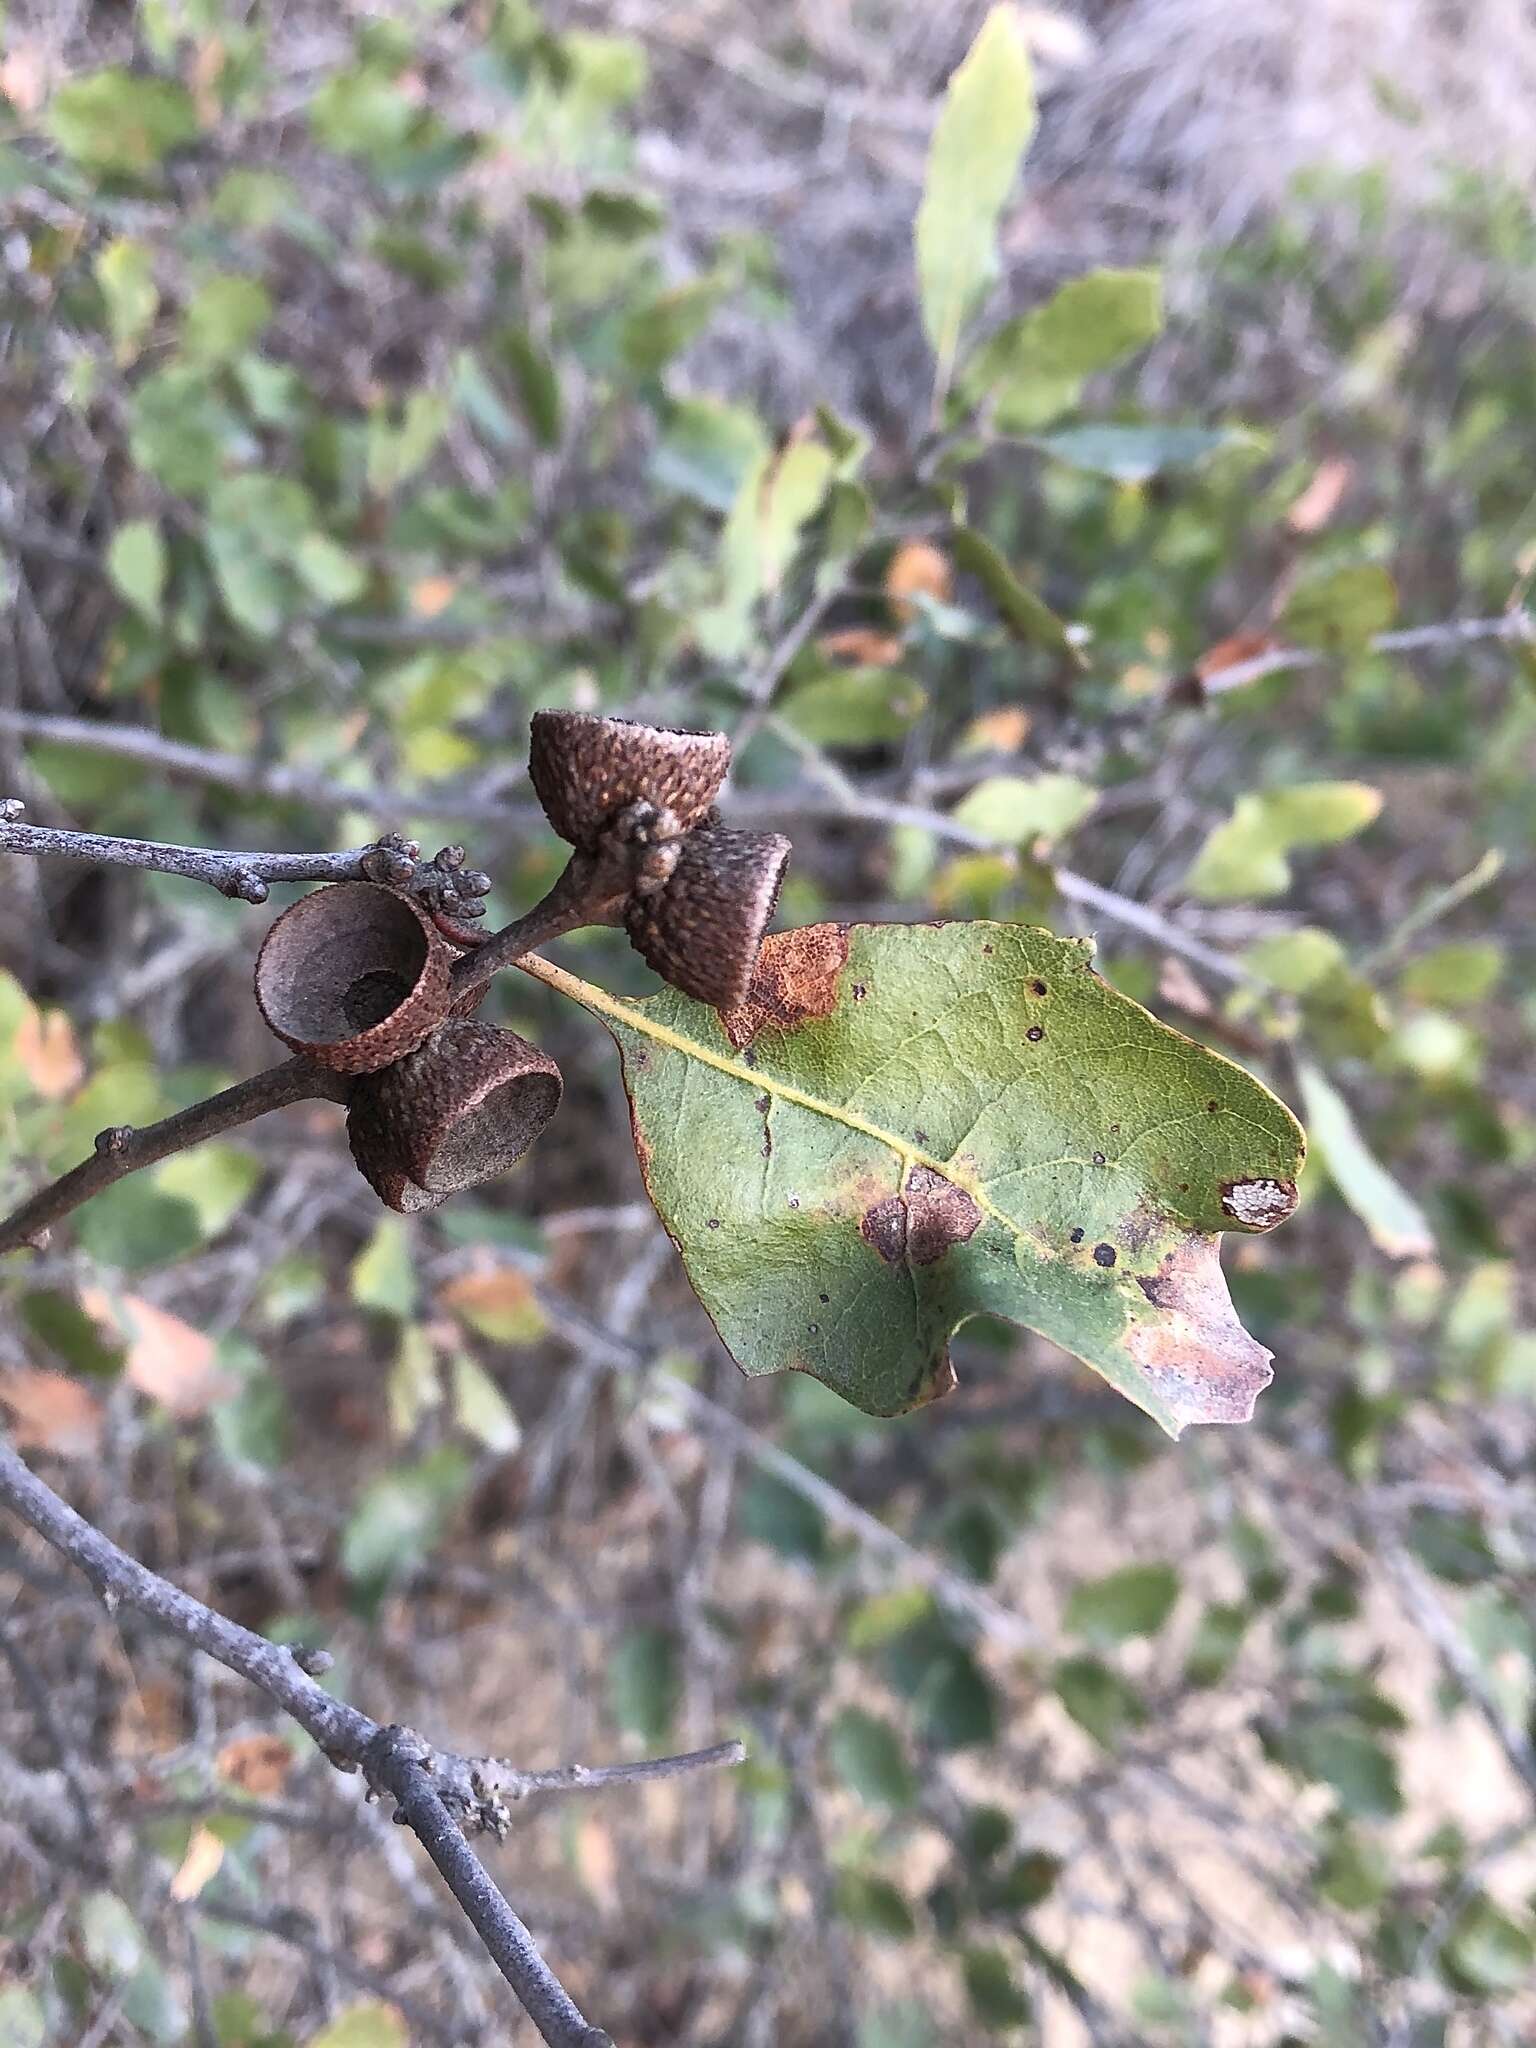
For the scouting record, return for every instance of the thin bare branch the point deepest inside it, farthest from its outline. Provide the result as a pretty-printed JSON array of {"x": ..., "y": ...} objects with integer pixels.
[
  {"x": 243, "y": 876},
  {"x": 437, "y": 1793},
  {"x": 121, "y": 1150}
]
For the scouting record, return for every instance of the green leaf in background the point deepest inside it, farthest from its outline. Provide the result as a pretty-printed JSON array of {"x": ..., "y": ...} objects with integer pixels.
[
  {"x": 1341, "y": 609},
  {"x": 481, "y": 1409},
  {"x": 983, "y": 130},
  {"x": 854, "y": 707},
  {"x": 217, "y": 1180},
  {"x": 1396, "y": 1223},
  {"x": 224, "y": 315},
  {"x": 1488, "y": 1953},
  {"x": 383, "y": 1274},
  {"x": 1026, "y": 616},
  {"x": 368, "y": 2024},
  {"x": 538, "y": 384},
  {"x": 1246, "y": 856},
  {"x": 1459, "y": 974},
  {"x": 136, "y": 565},
  {"x": 995, "y": 1999},
  {"x": 1136, "y": 454},
  {"x": 868, "y": 1756},
  {"x": 1024, "y": 810},
  {"x": 1098, "y": 1699},
  {"x": 1295, "y": 962},
  {"x": 399, "y": 1517},
  {"x": 131, "y": 1227},
  {"x": 644, "y": 1682},
  {"x": 23, "y": 2023},
  {"x": 1134, "y": 1601},
  {"x": 125, "y": 272},
  {"x": 117, "y": 121},
  {"x": 1033, "y": 369},
  {"x": 907, "y": 1125}
]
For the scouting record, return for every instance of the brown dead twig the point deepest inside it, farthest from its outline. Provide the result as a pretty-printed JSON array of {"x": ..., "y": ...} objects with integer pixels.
[{"x": 441, "y": 1796}]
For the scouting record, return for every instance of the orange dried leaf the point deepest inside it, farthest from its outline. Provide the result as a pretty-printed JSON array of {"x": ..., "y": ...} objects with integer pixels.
[
  {"x": 863, "y": 645},
  {"x": 1003, "y": 731},
  {"x": 1176, "y": 985},
  {"x": 48, "y": 1411},
  {"x": 200, "y": 1865},
  {"x": 918, "y": 569},
  {"x": 50, "y": 1059},
  {"x": 433, "y": 594},
  {"x": 166, "y": 1358},
  {"x": 257, "y": 1765},
  {"x": 1322, "y": 497},
  {"x": 1232, "y": 652},
  {"x": 499, "y": 1302}
]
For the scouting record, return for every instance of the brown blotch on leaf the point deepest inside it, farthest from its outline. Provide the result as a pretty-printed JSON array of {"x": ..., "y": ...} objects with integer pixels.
[
  {"x": 1259, "y": 1204},
  {"x": 1200, "y": 1361},
  {"x": 918, "y": 1226},
  {"x": 794, "y": 983}
]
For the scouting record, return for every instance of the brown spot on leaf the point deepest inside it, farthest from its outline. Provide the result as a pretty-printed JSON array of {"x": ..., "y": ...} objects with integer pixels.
[
  {"x": 1039, "y": 988},
  {"x": 1259, "y": 1204},
  {"x": 1034, "y": 1034},
  {"x": 1078, "y": 1234},
  {"x": 1200, "y": 1361},
  {"x": 918, "y": 1226},
  {"x": 763, "y": 1104},
  {"x": 1104, "y": 1255},
  {"x": 885, "y": 1227},
  {"x": 795, "y": 981}
]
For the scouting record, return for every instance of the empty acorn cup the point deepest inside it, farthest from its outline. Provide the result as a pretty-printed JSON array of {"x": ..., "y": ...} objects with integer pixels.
[
  {"x": 701, "y": 930},
  {"x": 354, "y": 976},
  {"x": 586, "y": 768},
  {"x": 459, "y": 1111}
]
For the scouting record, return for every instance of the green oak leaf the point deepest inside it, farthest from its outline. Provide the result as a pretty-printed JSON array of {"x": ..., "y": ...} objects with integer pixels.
[{"x": 905, "y": 1126}]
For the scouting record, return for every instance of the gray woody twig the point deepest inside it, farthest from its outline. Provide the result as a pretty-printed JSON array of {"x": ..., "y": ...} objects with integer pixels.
[{"x": 438, "y": 1794}]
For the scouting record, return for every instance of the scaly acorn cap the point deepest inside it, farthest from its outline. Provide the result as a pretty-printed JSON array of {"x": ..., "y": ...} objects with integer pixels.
[
  {"x": 586, "y": 768},
  {"x": 460, "y": 1110},
  {"x": 702, "y": 929},
  {"x": 354, "y": 975}
]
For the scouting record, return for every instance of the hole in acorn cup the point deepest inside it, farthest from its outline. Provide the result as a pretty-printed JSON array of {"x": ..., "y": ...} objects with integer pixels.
[{"x": 354, "y": 976}]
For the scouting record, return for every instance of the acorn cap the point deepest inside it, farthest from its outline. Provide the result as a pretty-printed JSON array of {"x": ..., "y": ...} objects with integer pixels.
[
  {"x": 353, "y": 975},
  {"x": 586, "y": 768},
  {"x": 701, "y": 931},
  {"x": 460, "y": 1110}
]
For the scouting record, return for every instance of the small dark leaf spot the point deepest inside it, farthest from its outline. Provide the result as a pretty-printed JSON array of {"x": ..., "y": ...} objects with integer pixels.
[
  {"x": 823, "y": 1298},
  {"x": 767, "y": 1144},
  {"x": 1183, "y": 1187},
  {"x": 1098, "y": 1158},
  {"x": 642, "y": 1061},
  {"x": 987, "y": 950},
  {"x": 714, "y": 1222},
  {"x": 1114, "y": 1129},
  {"x": 794, "y": 1201},
  {"x": 859, "y": 991},
  {"x": 1077, "y": 1235},
  {"x": 814, "y": 1328},
  {"x": 749, "y": 1058},
  {"x": 919, "y": 1137},
  {"x": 1103, "y": 1255},
  {"x": 1039, "y": 988},
  {"x": 1034, "y": 1034},
  {"x": 1214, "y": 1108},
  {"x": 762, "y": 1104}
]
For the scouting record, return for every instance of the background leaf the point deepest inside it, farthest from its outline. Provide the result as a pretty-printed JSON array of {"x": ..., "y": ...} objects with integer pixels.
[{"x": 984, "y": 128}]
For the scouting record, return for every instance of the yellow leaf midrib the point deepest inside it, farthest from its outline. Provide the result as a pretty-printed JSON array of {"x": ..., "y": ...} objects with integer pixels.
[{"x": 632, "y": 1017}]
